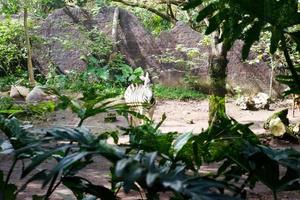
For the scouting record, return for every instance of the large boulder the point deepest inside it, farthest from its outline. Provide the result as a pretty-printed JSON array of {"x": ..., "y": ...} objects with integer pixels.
[
  {"x": 180, "y": 50},
  {"x": 134, "y": 42},
  {"x": 64, "y": 41},
  {"x": 182, "y": 39},
  {"x": 37, "y": 94},
  {"x": 18, "y": 93}
]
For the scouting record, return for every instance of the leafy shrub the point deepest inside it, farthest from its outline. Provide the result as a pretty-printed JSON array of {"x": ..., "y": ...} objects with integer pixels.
[
  {"x": 178, "y": 93},
  {"x": 152, "y": 22},
  {"x": 12, "y": 50},
  {"x": 9, "y": 108},
  {"x": 163, "y": 164},
  {"x": 105, "y": 68}
]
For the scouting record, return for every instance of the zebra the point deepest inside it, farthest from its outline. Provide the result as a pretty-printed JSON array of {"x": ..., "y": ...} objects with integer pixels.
[{"x": 140, "y": 99}]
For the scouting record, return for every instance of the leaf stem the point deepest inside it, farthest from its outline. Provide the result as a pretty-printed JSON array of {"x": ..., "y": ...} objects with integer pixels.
[
  {"x": 50, "y": 190},
  {"x": 10, "y": 172}
]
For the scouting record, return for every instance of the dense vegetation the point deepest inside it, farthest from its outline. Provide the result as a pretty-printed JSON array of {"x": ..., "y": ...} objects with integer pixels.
[{"x": 151, "y": 162}]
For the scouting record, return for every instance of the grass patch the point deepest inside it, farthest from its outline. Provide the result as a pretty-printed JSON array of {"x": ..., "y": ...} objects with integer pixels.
[{"x": 177, "y": 93}]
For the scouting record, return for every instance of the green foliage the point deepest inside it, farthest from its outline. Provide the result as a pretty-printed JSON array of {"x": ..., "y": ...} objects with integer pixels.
[
  {"x": 235, "y": 17},
  {"x": 9, "y": 7},
  {"x": 177, "y": 93},
  {"x": 7, "y": 191},
  {"x": 12, "y": 47},
  {"x": 44, "y": 7},
  {"x": 156, "y": 161},
  {"x": 37, "y": 147},
  {"x": 105, "y": 69},
  {"x": 152, "y": 22},
  {"x": 247, "y": 19},
  {"x": 40, "y": 110},
  {"x": 100, "y": 47},
  {"x": 94, "y": 101}
]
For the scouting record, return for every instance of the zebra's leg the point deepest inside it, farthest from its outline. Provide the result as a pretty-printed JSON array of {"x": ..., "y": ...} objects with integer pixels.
[{"x": 293, "y": 106}]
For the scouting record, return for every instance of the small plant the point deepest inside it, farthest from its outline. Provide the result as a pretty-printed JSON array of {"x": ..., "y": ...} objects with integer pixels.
[
  {"x": 177, "y": 93},
  {"x": 9, "y": 108},
  {"x": 198, "y": 84},
  {"x": 12, "y": 47}
]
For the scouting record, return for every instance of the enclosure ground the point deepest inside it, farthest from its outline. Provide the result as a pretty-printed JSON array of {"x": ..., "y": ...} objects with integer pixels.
[{"x": 181, "y": 116}]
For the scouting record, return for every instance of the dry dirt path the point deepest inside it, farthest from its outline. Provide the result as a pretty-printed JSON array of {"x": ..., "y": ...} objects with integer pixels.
[
  {"x": 182, "y": 116},
  {"x": 193, "y": 115}
]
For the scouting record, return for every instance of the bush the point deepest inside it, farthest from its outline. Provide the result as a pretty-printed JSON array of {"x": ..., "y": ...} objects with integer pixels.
[
  {"x": 178, "y": 93},
  {"x": 12, "y": 47}
]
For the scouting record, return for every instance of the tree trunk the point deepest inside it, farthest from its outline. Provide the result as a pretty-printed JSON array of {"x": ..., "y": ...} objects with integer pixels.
[
  {"x": 217, "y": 73},
  {"x": 114, "y": 32},
  {"x": 271, "y": 77},
  {"x": 28, "y": 46}
]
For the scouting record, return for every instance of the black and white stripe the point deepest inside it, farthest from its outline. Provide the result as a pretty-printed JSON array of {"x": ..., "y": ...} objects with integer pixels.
[{"x": 141, "y": 100}]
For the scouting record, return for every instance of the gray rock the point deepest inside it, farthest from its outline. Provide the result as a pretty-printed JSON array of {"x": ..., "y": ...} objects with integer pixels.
[
  {"x": 64, "y": 42},
  {"x": 179, "y": 49},
  {"x": 18, "y": 93},
  {"x": 134, "y": 42},
  {"x": 37, "y": 94},
  {"x": 261, "y": 101},
  {"x": 258, "y": 102},
  {"x": 245, "y": 103},
  {"x": 251, "y": 78},
  {"x": 171, "y": 77}
]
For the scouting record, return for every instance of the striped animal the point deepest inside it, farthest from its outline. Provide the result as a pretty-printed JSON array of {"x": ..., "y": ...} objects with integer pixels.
[{"x": 140, "y": 99}]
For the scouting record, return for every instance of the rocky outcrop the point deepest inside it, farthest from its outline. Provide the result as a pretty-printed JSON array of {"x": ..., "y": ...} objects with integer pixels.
[
  {"x": 134, "y": 42},
  {"x": 173, "y": 54},
  {"x": 65, "y": 39},
  {"x": 251, "y": 78}
]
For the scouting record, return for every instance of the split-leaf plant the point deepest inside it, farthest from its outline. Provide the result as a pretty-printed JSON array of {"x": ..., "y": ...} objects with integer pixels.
[{"x": 246, "y": 19}]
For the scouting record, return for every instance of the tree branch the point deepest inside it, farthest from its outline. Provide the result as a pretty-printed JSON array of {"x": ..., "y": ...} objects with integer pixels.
[{"x": 151, "y": 9}]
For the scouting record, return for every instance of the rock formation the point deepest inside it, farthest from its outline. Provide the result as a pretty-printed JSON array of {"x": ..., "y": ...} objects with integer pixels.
[
  {"x": 63, "y": 41},
  {"x": 173, "y": 54},
  {"x": 251, "y": 78}
]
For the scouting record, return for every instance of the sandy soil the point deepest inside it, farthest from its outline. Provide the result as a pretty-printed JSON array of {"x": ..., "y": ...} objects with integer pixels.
[{"x": 181, "y": 117}]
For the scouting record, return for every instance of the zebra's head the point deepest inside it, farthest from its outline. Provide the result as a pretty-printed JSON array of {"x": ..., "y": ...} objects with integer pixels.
[{"x": 146, "y": 79}]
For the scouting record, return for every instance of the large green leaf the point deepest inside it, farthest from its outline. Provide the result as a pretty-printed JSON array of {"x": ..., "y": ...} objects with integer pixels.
[
  {"x": 81, "y": 186},
  {"x": 251, "y": 36},
  {"x": 65, "y": 163},
  {"x": 38, "y": 159},
  {"x": 276, "y": 36},
  {"x": 207, "y": 11},
  {"x": 192, "y": 4},
  {"x": 7, "y": 191},
  {"x": 180, "y": 141},
  {"x": 216, "y": 20}
]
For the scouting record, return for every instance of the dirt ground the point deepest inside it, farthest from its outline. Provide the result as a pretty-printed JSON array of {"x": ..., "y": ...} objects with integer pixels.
[{"x": 181, "y": 116}]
